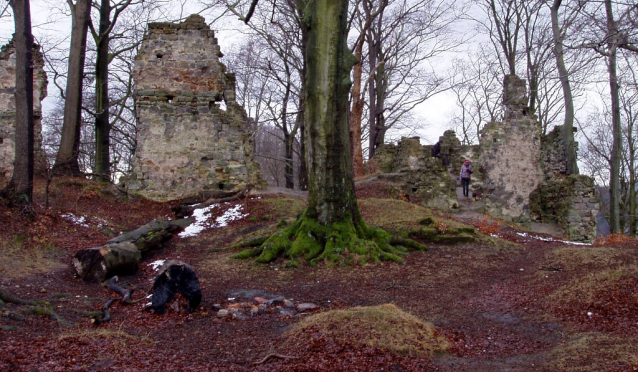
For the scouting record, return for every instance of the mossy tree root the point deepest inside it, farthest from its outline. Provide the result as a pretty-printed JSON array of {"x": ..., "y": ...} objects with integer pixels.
[
  {"x": 33, "y": 307},
  {"x": 341, "y": 242}
]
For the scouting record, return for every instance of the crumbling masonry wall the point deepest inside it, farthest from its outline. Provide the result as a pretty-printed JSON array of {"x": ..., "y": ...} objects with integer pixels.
[
  {"x": 525, "y": 172},
  {"x": 8, "y": 108},
  {"x": 187, "y": 142},
  {"x": 522, "y": 175},
  {"x": 568, "y": 200},
  {"x": 510, "y": 156},
  {"x": 410, "y": 167}
]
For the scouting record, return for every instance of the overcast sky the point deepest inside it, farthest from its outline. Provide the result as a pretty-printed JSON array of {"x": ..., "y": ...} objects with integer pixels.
[{"x": 53, "y": 26}]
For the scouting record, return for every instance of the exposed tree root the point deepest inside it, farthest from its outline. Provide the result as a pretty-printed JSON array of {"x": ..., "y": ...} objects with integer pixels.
[
  {"x": 342, "y": 242},
  {"x": 34, "y": 307},
  {"x": 125, "y": 299},
  {"x": 273, "y": 356}
]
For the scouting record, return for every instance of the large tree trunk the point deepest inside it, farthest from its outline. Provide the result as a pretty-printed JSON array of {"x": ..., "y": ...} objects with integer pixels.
[
  {"x": 102, "y": 125},
  {"x": 66, "y": 162},
  {"x": 563, "y": 75},
  {"x": 20, "y": 187},
  {"x": 331, "y": 196},
  {"x": 332, "y": 225}
]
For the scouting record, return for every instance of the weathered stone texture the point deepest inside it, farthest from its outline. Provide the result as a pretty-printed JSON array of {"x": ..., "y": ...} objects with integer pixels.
[
  {"x": 187, "y": 142},
  {"x": 520, "y": 174},
  {"x": 570, "y": 202},
  {"x": 510, "y": 157},
  {"x": 8, "y": 107},
  {"x": 554, "y": 155},
  {"x": 526, "y": 176},
  {"x": 411, "y": 167}
]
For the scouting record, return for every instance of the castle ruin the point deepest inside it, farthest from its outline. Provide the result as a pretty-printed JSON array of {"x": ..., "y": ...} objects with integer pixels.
[
  {"x": 187, "y": 141},
  {"x": 521, "y": 174},
  {"x": 8, "y": 108}
]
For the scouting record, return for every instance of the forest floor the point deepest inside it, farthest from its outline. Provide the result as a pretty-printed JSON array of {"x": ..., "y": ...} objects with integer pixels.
[{"x": 511, "y": 300}]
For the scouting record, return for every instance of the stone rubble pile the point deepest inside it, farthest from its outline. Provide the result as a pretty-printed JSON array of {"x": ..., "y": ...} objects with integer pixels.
[{"x": 260, "y": 306}]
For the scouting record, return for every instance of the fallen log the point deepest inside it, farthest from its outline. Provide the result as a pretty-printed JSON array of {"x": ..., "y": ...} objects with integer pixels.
[
  {"x": 122, "y": 255},
  {"x": 175, "y": 277}
]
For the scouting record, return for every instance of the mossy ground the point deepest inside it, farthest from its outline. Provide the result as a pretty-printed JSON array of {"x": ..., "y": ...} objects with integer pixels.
[{"x": 344, "y": 242}]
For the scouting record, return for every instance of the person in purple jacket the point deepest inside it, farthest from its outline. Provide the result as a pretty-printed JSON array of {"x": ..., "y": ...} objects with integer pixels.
[{"x": 466, "y": 172}]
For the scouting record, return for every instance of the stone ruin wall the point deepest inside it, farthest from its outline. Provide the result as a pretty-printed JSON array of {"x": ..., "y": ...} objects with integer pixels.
[
  {"x": 187, "y": 142},
  {"x": 510, "y": 156},
  {"x": 521, "y": 173},
  {"x": 8, "y": 108},
  {"x": 410, "y": 167},
  {"x": 525, "y": 172},
  {"x": 570, "y": 201}
]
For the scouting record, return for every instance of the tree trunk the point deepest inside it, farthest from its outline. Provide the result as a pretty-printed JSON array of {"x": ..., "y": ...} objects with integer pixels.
[
  {"x": 356, "y": 114},
  {"x": 102, "y": 125},
  {"x": 563, "y": 75},
  {"x": 303, "y": 161},
  {"x": 614, "y": 182},
  {"x": 20, "y": 187},
  {"x": 66, "y": 162},
  {"x": 373, "y": 53},
  {"x": 381, "y": 91},
  {"x": 289, "y": 169},
  {"x": 331, "y": 198}
]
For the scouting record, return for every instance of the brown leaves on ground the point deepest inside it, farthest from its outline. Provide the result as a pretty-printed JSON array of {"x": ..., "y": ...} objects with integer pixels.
[{"x": 543, "y": 306}]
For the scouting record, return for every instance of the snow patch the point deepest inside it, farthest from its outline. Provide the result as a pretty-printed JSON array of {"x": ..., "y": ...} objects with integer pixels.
[
  {"x": 157, "y": 264},
  {"x": 78, "y": 220},
  {"x": 202, "y": 219},
  {"x": 526, "y": 235}
]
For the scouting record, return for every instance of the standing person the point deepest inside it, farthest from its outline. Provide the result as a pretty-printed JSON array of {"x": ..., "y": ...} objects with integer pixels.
[{"x": 466, "y": 172}]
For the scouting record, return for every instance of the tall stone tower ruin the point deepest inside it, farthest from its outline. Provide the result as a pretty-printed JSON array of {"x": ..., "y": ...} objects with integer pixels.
[
  {"x": 510, "y": 159},
  {"x": 187, "y": 141},
  {"x": 526, "y": 179},
  {"x": 8, "y": 107}
]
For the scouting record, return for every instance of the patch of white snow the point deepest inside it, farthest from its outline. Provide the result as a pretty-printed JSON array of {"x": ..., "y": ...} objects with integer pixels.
[
  {"x": 81, "y": 220},
  {"x": 157, "y": 264},
  {"x": 202, "y": 222},
  {"x": 550, "y": 239}
]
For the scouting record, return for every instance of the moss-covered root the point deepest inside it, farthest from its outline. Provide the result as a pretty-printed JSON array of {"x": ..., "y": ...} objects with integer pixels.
[
  {"x": 34, "y": 307},
  {"x": 341, "y": 242},
  {"x": 9, "y": 297}
]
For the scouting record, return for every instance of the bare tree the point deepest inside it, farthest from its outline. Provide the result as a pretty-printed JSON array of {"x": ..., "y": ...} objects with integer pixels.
[
  {"x": 279, "y": 38},
  {"x": 597, "y": 131},
  {"x": 606, "y": 36},
  {"x": 558, "y": 33},
  {"x": 66, "y": 162},
  {"x": 401, "y": 41},
  {"x": 20, "y": 187},
  {"x": 477, "y": 85}
]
